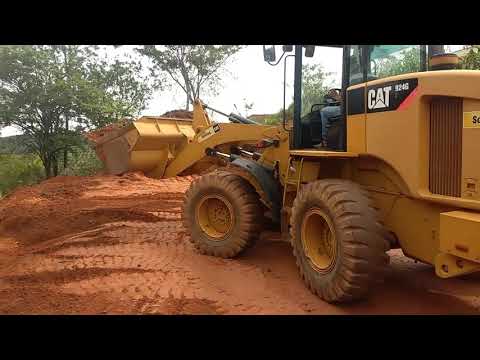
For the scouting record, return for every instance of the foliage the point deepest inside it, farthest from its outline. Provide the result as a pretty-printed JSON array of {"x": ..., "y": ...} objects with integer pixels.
[
  {"x": 83, "y": 161},
  {"x": 408, "y": 61},
  {"x": 314, "y": 88},
  {"x": 19, "y": 170},
  {"x": 277, "y": 118},
  {"x": 52, "y": 93},
  {"x": 471, "y": 60},
  {"x": 113, "y": 91},
  {"x": 194, "y": 68},
  {"x": 13, "y": 145}
]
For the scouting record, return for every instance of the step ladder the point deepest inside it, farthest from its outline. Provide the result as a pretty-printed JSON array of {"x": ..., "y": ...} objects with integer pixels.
[{"x": 289, "y": 180}]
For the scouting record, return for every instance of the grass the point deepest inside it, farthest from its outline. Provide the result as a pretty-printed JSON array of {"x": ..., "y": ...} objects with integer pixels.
[
  {"x": 27, "y": 169},
  {"x": 19, "y": 170}
]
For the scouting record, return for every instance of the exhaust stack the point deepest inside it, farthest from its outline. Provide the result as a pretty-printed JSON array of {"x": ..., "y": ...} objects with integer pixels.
[{"x": 440, "y": 60}]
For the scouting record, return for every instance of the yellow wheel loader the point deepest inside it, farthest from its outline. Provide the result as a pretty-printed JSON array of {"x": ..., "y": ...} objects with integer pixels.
[{"x": 390, "y": 162}]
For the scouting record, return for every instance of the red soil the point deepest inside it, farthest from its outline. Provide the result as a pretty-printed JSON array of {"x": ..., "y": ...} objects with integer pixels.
[{"x": 116, "y": 245}]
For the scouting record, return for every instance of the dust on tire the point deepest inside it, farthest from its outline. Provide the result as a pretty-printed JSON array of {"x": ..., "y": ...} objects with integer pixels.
[
  {"x": 361, "y": 257},
  {"x": 247, "y": 211}
]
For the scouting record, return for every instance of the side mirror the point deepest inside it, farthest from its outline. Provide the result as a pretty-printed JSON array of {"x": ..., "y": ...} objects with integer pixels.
[
  {"x": 269, "y": 53},
  {"x": 309, "y": 50}
]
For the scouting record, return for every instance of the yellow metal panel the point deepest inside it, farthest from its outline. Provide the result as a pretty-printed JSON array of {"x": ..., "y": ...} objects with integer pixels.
[
  {"x": 356, "y": 131},
  {"x": 320, "y": 153},
  {"x": 456, "y": 83},
  {"x": 450, "y": 201},
  {"x": 460, "y": 234},
  {"x": 165, "y": 132},
  {"x": 200, "y": 117},
  {"x": 186, "y": 129},
  {"x": 160, "y": 163},
  {"x": 147, "y": 160},
  {"x": 228, "y": 133},
  {"x": 393, "y": 136},
  {"x": 416, "y": 224},
  {"x": 447, "y": 266},
  {"x": 401, "y": 137}
]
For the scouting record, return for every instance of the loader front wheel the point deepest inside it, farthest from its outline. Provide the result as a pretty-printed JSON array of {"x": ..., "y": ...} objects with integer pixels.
[
  {"x": 222, "y": 212},
  {"x": 338, "y": 240}
]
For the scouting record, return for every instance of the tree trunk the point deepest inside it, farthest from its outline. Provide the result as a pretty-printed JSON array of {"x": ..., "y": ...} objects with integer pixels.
[
  {"x": 47, "y": 167},
  {"x": 65, "y": 153},
  {"x": 55, "y": 166},
  {"x": 187, "y": 106},
  {"x": 65, "y": 158}
]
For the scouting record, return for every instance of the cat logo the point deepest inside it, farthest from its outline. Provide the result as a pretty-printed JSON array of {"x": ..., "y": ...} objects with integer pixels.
[
  {"x": 208, "y": 133},
  {"x": 379, "y": 98}
]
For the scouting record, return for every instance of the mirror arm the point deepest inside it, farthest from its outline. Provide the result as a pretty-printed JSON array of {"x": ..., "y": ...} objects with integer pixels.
[
  {"x": 281, "y": 57},
  {"x": 284, "y": 121}
]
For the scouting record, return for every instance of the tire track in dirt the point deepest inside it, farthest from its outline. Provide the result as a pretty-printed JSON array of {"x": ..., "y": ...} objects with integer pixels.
[{"x": 150, "y": 267}]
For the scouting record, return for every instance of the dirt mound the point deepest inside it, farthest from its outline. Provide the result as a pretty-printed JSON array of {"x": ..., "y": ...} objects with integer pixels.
[
  {"x": 66, "y": 205},
  {"x": 179, "y": 114},
  {"x": 95, "y": 135}
]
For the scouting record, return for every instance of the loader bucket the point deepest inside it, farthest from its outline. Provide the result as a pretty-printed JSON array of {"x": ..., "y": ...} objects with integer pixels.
[{"x": 145, "y": 145}]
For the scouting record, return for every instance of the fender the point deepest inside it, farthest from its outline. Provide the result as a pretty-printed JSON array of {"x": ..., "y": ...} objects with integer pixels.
[{"x": 270, "y": 191}]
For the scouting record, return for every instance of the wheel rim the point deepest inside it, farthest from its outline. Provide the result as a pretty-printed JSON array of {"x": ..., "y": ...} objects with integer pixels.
[
  {"x": 214, "y": 214},
  {"x": 318, "y": 239}
]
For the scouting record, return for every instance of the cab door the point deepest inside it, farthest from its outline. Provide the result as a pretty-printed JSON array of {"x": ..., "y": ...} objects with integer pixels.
[{"x": 355, "y": 108}]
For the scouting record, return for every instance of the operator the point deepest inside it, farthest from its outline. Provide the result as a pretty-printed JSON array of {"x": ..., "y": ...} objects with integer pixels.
[{"x": 332, "y": 109}]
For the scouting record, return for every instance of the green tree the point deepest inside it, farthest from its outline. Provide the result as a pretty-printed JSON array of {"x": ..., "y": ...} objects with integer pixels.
[
  {"x": 471, "y": 60},
  {"x": 18, "y": 170},
  {"x": 113, "y": 91},
  {"x": 194, "y": 68},
  {"x": 277, "y": 118},
  {"x": 53, "y": 93},
  {"x": 314, "y": 88},
  {"x": 407, "y": 61}
]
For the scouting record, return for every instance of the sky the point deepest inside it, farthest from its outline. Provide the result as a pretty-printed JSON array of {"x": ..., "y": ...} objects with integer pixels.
[{"x": 248, "y": 79}]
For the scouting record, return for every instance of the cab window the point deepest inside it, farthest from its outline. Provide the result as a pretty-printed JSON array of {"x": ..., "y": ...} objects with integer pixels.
[
  {"x": 391, "y": 60},
  {"x": 356, "y": 68},
  {"x": 320, "y": 73}
]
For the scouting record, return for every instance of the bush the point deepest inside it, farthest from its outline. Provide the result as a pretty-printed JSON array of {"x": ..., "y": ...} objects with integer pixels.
[
  {"x": 82, "y": 161},
  {"x": 19, "y": 170}
]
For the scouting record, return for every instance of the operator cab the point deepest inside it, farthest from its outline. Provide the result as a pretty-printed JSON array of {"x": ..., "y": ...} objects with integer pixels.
[{"x": 320, "y": 115}]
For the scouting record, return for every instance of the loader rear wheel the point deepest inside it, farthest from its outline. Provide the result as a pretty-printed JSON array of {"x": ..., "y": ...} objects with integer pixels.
[
  {"x": 338, "y": 240},
  {"x": 223, "y": 214}
]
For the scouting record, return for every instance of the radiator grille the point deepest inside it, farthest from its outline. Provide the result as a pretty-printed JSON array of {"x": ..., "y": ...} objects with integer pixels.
[{"x": 446, "y": 146}]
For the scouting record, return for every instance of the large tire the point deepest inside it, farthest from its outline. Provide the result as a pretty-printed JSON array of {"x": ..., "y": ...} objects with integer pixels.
[
  {"x": 338, "y": 240},
  {"x": 223, "y": 214}
]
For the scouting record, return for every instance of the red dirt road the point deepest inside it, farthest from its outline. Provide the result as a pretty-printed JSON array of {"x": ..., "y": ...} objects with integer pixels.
[{"x": 116, "y": 245}]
